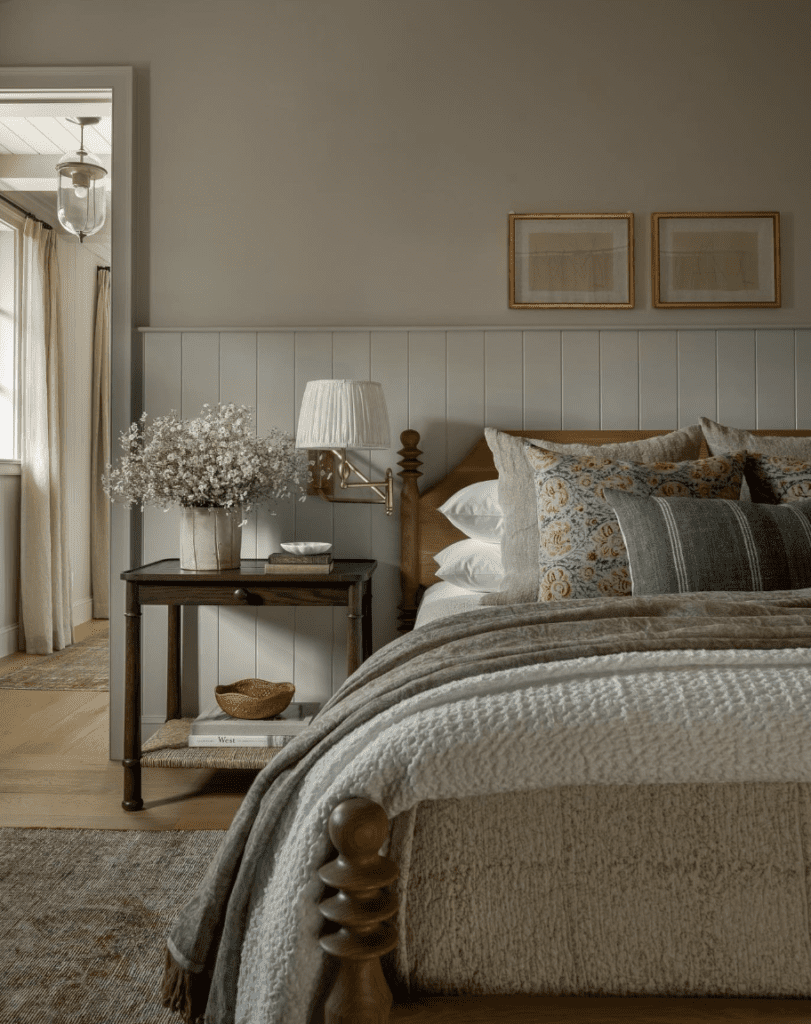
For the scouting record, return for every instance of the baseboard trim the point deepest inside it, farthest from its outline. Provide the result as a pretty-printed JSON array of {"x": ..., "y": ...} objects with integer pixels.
[
  {"x": 8, "y": 640},
  {"x": 82, "y": 611}
]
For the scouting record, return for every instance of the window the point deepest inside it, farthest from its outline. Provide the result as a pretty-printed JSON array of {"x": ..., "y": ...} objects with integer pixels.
[{"x": 11, "y": 237}]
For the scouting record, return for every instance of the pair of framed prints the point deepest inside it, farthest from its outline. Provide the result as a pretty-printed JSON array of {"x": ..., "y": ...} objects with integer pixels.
[{"x": 699, "y": 260}]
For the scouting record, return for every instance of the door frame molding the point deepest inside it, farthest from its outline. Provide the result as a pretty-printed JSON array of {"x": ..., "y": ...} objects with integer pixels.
[{"x": 124, "y": 385}]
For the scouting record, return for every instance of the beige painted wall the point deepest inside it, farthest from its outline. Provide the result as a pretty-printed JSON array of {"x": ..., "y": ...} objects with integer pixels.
[{"x": 353, "y": 161}]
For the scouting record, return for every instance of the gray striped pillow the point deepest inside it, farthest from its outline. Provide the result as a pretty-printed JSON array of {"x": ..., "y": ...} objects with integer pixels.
[{"x": 679, "y": 545}]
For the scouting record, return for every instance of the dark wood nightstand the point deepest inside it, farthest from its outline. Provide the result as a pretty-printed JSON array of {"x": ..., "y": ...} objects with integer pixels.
[{"x": 350, "y": 584}]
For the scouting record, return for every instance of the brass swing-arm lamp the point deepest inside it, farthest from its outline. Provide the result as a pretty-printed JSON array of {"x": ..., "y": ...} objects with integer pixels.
[{"x": 340, "y": 414}]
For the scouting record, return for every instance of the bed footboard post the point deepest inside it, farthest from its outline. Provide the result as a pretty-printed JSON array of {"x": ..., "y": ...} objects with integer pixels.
[
  {"x": 409, "y": 529},
  {"x": 362, "y": 907}
]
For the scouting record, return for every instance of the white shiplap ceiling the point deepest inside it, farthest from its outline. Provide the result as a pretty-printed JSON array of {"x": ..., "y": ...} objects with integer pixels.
[{"x": 35, "y": 132}]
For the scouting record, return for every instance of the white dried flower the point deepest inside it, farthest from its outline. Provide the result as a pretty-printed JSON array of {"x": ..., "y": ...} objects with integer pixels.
[{"x": 213, "y": 461}]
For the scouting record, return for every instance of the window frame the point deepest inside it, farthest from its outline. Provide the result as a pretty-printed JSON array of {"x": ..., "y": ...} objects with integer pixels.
[{"x": 15, "y": 220}]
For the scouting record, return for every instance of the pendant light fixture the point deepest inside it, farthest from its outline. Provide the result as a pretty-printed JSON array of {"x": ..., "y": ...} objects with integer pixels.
[{"x": 81, "y": 200}]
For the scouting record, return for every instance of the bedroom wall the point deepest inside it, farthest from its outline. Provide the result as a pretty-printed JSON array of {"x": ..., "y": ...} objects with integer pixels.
[{"x": 333, "y": 163}]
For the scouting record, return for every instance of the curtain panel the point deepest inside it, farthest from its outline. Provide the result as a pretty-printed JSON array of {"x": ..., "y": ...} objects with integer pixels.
[
  {"x": 100, "y": 449},
  {"x": 45, "y": 622}
]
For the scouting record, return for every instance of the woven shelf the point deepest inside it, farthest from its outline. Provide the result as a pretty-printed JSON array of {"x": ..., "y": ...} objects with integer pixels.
[{"x": 168, "y": 748}]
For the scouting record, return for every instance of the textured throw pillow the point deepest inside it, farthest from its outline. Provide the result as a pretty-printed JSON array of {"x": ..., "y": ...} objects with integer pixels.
[
  {"x": 516, "y": 495},
  {"x": 475, "y": 510},
  {"x": 471, "y": 564},
  {"x": 721, "y": 439},
  {"x": 581, "y": 552},
  {"x": 677, "y": 545},
  {"x": 778, "y": 478}
]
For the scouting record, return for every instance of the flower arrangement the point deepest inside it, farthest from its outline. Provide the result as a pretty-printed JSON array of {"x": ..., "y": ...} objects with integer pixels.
[{"x": 212, "y": 461}]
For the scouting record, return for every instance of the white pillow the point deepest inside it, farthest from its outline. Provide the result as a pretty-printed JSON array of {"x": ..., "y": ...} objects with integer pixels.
[
  {"x": 471, "y": 564},
  {"x": 475, "y": 510}
]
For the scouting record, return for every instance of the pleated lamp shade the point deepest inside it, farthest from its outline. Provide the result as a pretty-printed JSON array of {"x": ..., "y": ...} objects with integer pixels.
[{"x": 343, "y": 414}]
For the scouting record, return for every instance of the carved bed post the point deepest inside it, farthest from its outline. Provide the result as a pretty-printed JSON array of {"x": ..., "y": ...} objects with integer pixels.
[
  {"x": 409, "y": 529},
  {"x": 362, "y": 907}
]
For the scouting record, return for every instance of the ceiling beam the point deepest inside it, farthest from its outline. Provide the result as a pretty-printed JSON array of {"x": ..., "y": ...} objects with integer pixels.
[{"x": 37, "y": 173}]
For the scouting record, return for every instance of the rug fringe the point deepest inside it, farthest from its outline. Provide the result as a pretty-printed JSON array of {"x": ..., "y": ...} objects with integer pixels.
[{"x": 184, "y": 992}]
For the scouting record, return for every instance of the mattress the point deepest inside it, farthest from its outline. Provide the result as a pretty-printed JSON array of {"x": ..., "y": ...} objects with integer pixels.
[{"x": 443, "y": 599}]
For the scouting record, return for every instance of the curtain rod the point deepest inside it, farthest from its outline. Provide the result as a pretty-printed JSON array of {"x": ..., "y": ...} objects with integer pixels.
[
  {"x": 26, "y": 212},
  {"x": 101, "y": 268}
]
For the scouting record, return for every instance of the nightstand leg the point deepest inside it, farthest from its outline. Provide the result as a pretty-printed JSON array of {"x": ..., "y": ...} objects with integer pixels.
[
  {"x": 173, "y": 664},
  {"x": 354, "y": 629},
  {"x": 132, "y": 704},
  {"x": 366, "y": 624}
]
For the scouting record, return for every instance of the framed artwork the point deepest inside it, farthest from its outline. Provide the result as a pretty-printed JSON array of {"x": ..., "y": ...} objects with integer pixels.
[
  {"x": 571, "y": 261},
  {"x": 716, "y": 260}
]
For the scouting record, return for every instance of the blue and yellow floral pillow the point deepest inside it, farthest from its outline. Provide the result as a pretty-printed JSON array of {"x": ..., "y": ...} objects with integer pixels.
[
  {"x": 581, "y": 551},
  {"x": 775, "y": 479}
]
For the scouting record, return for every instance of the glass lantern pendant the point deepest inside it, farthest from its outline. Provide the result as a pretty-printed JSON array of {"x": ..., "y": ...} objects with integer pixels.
[{"x": 81, "y": 199}]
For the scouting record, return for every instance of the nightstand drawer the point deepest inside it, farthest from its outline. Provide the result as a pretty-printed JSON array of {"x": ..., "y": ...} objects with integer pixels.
[{"x": 236, "y": 595}]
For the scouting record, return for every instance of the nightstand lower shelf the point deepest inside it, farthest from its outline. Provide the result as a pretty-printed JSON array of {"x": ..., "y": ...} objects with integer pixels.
[{"x": 167, "y": 748}]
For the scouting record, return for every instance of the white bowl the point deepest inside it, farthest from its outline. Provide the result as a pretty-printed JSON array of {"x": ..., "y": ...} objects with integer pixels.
[{"x": 306, "y": 547}]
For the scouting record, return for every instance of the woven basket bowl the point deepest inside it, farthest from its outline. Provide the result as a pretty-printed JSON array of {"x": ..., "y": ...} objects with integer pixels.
[{"x": 254, "y": 698}]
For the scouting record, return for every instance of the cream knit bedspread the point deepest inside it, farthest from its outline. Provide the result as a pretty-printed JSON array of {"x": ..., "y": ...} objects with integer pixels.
[{"x": 480, "y": 705}]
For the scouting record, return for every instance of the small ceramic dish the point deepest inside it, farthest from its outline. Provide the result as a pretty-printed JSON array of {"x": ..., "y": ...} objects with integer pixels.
[{"x": 306, "y": 547}]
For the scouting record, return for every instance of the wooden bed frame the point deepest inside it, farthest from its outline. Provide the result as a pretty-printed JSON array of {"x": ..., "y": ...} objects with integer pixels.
[{"x": 363, "y": 905}]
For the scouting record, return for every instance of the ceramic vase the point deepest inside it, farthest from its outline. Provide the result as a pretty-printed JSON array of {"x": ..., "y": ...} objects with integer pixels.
[{"x": 210, "y": 539}]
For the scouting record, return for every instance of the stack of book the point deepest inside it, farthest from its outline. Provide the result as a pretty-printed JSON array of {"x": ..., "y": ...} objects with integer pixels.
[
  {"x": 281, "y": 562},
  {"x": 215, "y": 728}
]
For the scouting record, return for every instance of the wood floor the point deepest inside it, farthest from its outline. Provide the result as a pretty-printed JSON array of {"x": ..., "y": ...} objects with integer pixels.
[{"x": 55, "y": 772}]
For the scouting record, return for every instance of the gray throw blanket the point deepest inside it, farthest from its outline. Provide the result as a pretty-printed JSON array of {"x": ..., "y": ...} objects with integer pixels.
[{"x": 433, "y": 671}]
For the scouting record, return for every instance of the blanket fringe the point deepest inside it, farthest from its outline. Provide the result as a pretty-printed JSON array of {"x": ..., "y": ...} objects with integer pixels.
[{"x": 184, "y": 992}]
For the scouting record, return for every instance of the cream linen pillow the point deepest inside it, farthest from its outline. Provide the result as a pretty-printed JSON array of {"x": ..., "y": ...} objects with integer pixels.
[
  {"x": 516, "y": 495},
  {"x": 721, "y": 440}
]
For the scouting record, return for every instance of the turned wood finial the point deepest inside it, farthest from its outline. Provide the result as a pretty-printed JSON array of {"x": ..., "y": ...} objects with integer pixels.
[
  {"x": 409, "y": 529},
  {"x": 362, "y": 907}
]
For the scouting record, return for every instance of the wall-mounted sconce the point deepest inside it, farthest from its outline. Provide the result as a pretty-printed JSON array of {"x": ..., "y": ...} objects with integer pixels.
[{"x": 340, "y": 414}]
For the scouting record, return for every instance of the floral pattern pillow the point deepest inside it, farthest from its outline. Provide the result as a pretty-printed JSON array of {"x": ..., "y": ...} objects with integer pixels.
[
  {"x": 581, "y": 551},
  {"x": 774, "y": 479}
]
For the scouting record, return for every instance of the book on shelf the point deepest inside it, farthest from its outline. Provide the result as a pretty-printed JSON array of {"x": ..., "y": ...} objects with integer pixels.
[
  {"x": 283, "y": 558},
  {"x": 293, "y": 569},
  {"x": 216, "y": 723},
  {"x": 224, "y": 740}
]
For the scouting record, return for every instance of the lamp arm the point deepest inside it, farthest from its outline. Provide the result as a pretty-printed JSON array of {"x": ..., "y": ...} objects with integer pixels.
[{"x": 346, "y": 469}]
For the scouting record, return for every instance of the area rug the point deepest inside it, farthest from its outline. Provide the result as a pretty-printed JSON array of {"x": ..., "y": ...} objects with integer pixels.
[
  {"x": 82, "y": 666},
  {"x": 85, "y": 913}
]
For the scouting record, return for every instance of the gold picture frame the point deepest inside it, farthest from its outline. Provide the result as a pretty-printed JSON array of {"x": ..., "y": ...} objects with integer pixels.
[
  {"x": 571, "y": 261},
  {"x": 715, "y": 260}
]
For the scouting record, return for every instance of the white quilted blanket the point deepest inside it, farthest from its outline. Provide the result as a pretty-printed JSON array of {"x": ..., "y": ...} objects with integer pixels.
[{"x": 650, "y": 716}]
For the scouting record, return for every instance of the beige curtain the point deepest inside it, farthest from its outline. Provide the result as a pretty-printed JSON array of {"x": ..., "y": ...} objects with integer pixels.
[
  {"x": 45, "y": 583},
  {"x": 100, "y": 449}
]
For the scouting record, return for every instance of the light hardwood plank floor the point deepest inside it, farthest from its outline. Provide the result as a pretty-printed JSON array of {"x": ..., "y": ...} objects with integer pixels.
[{"x": 55, "y": 772}]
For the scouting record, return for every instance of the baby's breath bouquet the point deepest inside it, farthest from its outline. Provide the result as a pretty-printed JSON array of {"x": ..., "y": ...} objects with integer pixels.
[{"x": 212, "y": 461}]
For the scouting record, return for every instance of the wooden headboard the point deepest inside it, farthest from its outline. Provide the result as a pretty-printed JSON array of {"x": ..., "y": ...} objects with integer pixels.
[{"x": 424, "y": 530}]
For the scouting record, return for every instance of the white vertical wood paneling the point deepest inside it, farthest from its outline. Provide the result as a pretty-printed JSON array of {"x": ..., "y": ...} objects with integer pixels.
[
  {"x": 389, "y": 365},
  {"x": 200, "y": 650},
  {"x": 698, "y": 385},
  {"x": 162, "y": 394},
  {"x": 774, "y": 355},
  {"x": 737, "y": 406},
  {"x": 619, "y": 389},
  {"x": 447, "y": 385},
  {"x": 351, "y": 524},
  {"x": 542, "y": 380},
  {"x": 465, "y": 369},
  {"x": 658, "y": 380},
  {"x": 237, "y": 636},
  {"x": 580, "y": 362},
  {"x": 504, "y": 379},
  {"x": 803, "y": 377},
  {"x": 427, "y": 389},
  {"x": 312, "y": 675}
]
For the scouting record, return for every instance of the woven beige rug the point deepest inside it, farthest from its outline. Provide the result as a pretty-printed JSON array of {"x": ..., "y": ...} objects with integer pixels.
[
  {"x": 85, "y": 916},
  {"x": 82, "y": 666}
]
